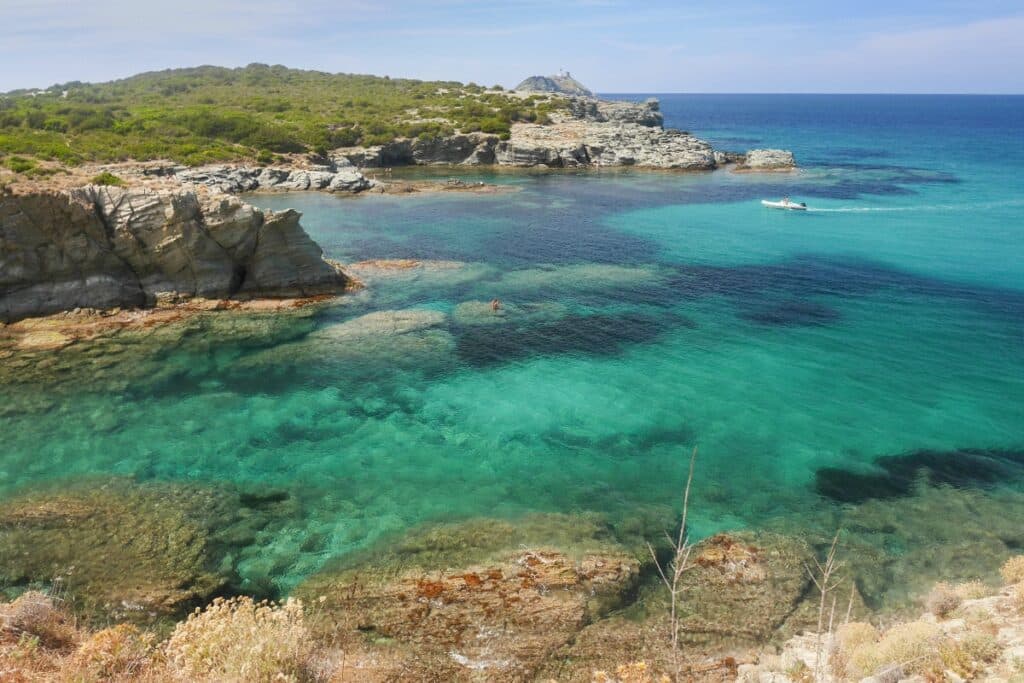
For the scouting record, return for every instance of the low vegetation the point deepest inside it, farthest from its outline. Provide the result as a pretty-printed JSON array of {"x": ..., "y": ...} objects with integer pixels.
[
  {"x": 107, "y": 178},
  {"x": 206, "y": 114}
]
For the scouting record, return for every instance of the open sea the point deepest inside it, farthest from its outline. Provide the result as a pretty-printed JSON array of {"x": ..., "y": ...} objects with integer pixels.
[{"x": 856, "y": 367}]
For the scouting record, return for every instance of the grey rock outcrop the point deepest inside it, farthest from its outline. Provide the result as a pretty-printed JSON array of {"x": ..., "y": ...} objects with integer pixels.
[
  {"x": 340, "y": 176},
  {"x": 602, "y": 111},
  {"x": 574, "y": 143},
  {"x": 104, "y": 247},
  {"x": 563, "y": 84},
  {"x": 589, "y": 133},
  {"x": 768, "y": 160}
]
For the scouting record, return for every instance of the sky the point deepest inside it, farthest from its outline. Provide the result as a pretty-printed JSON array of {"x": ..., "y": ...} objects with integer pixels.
[{"x": 654, "y": 46}]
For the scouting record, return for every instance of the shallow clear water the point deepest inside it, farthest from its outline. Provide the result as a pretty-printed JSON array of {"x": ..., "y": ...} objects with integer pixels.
[{"x": 668, "y": 311}]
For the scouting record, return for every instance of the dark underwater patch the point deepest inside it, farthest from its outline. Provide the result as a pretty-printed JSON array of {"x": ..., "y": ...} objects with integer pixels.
[
  {"x": 808, "y": 276},
  {"x": 601, "y": 334},
  {"x": 622, "y": 444},
  {"x": 897, "y": 475},
  {"x": 791, "y": 314}
]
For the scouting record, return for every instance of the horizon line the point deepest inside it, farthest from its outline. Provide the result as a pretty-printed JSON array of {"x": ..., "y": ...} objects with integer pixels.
[{"x": 876, "y": 94}]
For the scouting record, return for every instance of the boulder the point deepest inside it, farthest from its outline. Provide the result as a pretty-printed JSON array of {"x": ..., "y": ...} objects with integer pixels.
[{"x": 768, "y": 160}]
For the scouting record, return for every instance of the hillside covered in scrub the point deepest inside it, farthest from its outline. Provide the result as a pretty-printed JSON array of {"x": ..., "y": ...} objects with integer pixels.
[{"x": 205, "y": 114}]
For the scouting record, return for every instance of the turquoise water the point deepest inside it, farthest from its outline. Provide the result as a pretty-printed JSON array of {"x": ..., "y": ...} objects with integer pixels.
[{"x": 648, "y": 313}]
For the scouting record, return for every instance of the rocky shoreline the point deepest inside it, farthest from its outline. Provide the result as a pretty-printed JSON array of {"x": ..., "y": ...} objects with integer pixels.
[
  {"x": 591, "y": 133},
  {"x": 543, "y": 597}
]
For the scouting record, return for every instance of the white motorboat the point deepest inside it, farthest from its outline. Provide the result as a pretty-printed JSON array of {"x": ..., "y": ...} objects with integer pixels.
[{"x": 785, "y": 204}]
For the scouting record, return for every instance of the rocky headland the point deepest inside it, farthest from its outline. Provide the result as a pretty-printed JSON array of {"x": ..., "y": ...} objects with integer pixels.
[
  {"x": 588, "y": 133},
  {"x": 107, "y": 247}
]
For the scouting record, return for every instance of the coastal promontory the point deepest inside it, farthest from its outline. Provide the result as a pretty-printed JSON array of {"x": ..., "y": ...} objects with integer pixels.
[{"x": 107, "y": 247}]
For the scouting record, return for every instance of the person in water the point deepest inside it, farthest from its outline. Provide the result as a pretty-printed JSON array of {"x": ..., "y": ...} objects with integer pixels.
[{"x": 495, "y": 305}]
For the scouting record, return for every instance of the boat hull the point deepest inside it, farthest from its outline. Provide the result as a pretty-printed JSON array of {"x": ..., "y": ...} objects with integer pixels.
[{"x": 785, "y": 206}]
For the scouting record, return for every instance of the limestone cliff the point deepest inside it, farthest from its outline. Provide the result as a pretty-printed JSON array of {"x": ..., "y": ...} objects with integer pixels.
[{"x": 104, "y": 247}]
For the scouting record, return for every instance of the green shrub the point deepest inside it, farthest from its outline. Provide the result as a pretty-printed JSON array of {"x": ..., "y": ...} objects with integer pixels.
[
  {"x": 20, "y": 164},
  {"x": 209, "y": 114},
  {"x": 107, "y": 178}
]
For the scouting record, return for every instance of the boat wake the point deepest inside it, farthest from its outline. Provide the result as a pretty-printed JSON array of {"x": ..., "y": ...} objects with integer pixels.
[{"x": 924, "y": 207}]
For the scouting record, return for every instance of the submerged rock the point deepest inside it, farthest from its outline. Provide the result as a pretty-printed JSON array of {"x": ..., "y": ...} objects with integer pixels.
[
  {"x": 111, "y": 350},
  {"x": 413, "y": 271},
  {"x": 581, "y": 276},
  {"x": 119, "y": 549},
  {"x": 897, "y": 548},
  {"x": 490, "y": 596},
  {"x": 383, "y": 323},
  {"x": 375, "y": 342},
  {"x": 473, "y": 313}
]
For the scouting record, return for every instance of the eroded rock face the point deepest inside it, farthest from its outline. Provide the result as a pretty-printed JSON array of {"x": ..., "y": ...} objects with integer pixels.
[
  {"x": 482, "y": 595},
  {"x": 103, "y": 247}
]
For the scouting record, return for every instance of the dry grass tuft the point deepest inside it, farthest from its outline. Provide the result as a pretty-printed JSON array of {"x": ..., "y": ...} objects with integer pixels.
[
  {"x": 943, "y": 600},
  {"x": 37, "y": 615},
  {"x": 968, "y": 656},
  {"x": 240, "y": 640},
  {"x": 1013, "y": 570},
  {"x": 904, "y": 650},
  {"x": 972, "y": 590},
  {"x": 1017, "y": 599},
  {"x": 855, "y": 634},
  {"x": 121, "y": 651}
]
